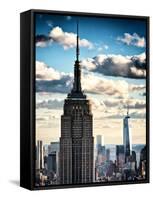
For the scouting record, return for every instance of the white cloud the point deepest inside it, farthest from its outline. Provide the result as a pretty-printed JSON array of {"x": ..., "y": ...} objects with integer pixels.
[
  {"x": 102, "y": 47},
  {"x": 100, "y": 85},
  {"x": 137, "y": 88},
  {"x": 67, "y": 40},
  {"x": 89, "y": 64},
  {"x": 49, "y": 23},
  {"x": 43, "y": 72},
  {"x": 132, "y": 39},
  {"x": 42, "y": 41},
  {"x": 117, "y": 108},
  {"x": 109, "y": 98},
  {"x": 117, "y": 65},
  {"x": 50, "y": 104},
  {"x": 124, "y": 103},
  {"x": 51, "y": 80},
  {"x": 41, "y": 44}
]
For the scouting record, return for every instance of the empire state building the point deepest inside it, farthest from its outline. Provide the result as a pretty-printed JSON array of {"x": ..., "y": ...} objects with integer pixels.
[{"x": 76, "y": 141}]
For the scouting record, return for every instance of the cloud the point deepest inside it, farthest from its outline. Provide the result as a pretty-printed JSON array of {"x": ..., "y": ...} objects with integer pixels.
[
  {"x": 135, "y": 104},
  {"x": 49, "y": 23},
  {"x": 43, "y": 72},
  {"x": 66, "y": 39},
  {"x": 68, "y": 18},
  {"x": 41, "y": 118},
  {"x": 136, "y": 88},
  {"x": 117, "y": 108},
  {"x": 138, "y": 115},
  {"x": 100, "y": 85},
  {"x": 139, "y": 61},
  {"x": 122, "y": 103},
  {"x": 133, "y": 115},
  {"x": 50, "y": 104},
  {"x": 57, "y": 86},
  {"x": 117, "y": 65},
  {"x": 42, "y": 40},
  {"x": 97, "y": 105},
  {"x": 103, "y": 47},
  {"x": 132, "y": 39},
  {"x": 137, "y": 107},
  {"x": 50, "y": 80},
  {"x": 113, "y": 103}
]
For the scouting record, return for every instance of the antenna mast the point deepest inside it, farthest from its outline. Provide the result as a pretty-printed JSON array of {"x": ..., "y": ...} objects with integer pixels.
[{"x": 77, "y": 45}]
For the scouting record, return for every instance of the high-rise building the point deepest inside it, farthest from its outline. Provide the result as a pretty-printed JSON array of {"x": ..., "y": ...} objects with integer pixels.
[
  {"x": 39, "y": 155},
  {"x": 99, "y": 142},
  {"x": 120, "y": 156},
  {"x": 98, "y": 139},
  {"x": 53, "y": 148},
  {"x": 76, "y": 141},
  {"x": 142, "y": 166},
  {"x": 133, "y": 161},
  {"x": 126, "y": 137},
  {"x": 107, "y": 154},
  {"x": 51, "y": 162}
]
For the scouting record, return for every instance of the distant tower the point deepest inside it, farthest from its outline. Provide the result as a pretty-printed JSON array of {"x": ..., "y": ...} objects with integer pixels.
[
  {"x": 107, "y": 154},
  {"x": 100, "y": 140},
  {"x": 39, "y": 155},
  {"x": 142, "y": 165},
  {"x": 76, "y": 142},
  {"x": 120, "y": 156},
  {"x": 126, "y": 136},
  {"x": 100, "y": 144},
  {"x": 53, "y": 154}
]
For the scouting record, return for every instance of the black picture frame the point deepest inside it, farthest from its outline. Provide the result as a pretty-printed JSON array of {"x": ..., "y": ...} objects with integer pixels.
[{"x": 27, "y": 98}]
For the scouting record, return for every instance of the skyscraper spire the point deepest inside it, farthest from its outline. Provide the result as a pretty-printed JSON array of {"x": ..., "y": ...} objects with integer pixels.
[
  {"x": 77, "y": 44},
  {"x": 76, "y": 91},
  {"x": 127, "y": 108}
]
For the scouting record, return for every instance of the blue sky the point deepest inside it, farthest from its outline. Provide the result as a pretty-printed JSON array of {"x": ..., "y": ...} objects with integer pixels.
[{"x": 99, "y": 31}]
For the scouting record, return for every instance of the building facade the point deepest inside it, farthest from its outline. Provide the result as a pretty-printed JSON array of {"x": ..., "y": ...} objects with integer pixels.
[{"x": 76, "y": 141}]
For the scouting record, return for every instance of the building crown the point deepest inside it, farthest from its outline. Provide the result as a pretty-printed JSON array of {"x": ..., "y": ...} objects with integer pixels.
[{"x": 76, "y": 91}]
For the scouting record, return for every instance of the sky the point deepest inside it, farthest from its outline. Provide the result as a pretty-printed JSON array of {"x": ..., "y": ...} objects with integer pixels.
[{"x": 113, "y": 64}]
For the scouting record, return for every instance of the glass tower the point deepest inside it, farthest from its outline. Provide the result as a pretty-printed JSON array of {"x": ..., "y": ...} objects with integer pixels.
[{"x": 126, "y": 137}]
